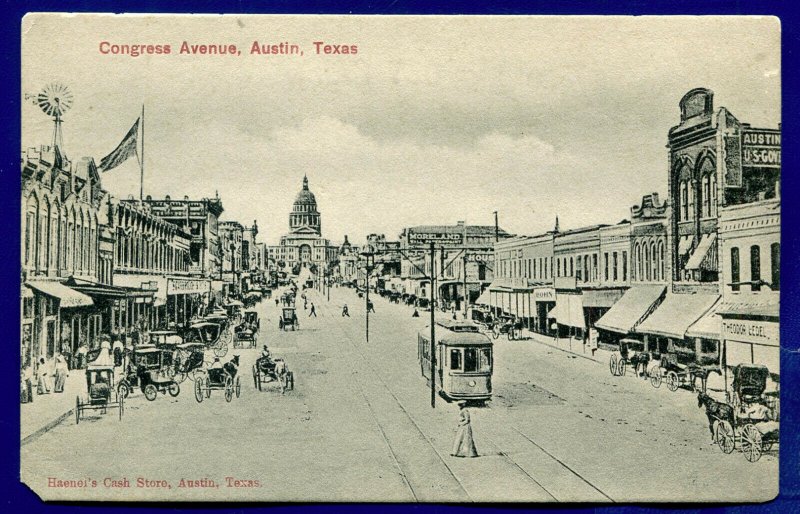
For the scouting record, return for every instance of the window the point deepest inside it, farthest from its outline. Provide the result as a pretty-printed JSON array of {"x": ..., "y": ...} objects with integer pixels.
[
  {"x": 706, "y": 196},
  {"x": 684, "y": 202},
  {"x": 708, "y": 346},
  {"x": 470, "y": 360},
  {"x": 486, "y": 359},
  {"x": 690, "y": 199},
  {"x": 571, "y": 267},
  {"x": 624, "y": 266},
  {"x": 775, "y": 265},
  {"x": 535, "y": 270},
  {"x": 578, "y": 274},
  {"x": 605, "y": 266},
  {"x": 559, "y": 268},
  {"x": 615, "y": 269},
  {"x": 586, "y": 268},
  {"x": 594, "y": 266},
  {"x": 455, "y": 359},
  {"x": 27, "y": 307},
  {"x": 735, "y": 277},
  {"x": 755, "y": 268},
  {"x": 662, "y": 261},
  {"x": 646, "y": 262}
]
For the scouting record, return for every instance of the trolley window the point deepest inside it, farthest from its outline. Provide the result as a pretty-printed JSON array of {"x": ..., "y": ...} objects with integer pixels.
[
  {"x": 455, "y": 359},
  {"x": 486, "y": 359},
  {"x": 470, "y": 359}
]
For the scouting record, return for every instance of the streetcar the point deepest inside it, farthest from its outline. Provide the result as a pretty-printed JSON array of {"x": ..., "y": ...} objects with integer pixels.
[{"x": 463, "y": 360}]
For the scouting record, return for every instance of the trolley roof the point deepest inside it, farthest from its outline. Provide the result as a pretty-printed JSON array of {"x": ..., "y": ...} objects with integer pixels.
[{"x": 450, "y": 338}]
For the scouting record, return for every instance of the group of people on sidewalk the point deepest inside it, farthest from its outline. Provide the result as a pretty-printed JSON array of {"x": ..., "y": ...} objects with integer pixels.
[{"x": 45, "y": 377}]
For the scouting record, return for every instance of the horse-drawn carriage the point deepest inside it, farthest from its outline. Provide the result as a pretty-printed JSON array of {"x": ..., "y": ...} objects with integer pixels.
[
  {"x": 679, "y": 374},
  {"x": 219, "y": 377},
  {"x": 507, "y": 325},
  {"x": 246, "y": 333},
  {"x": 267, "y": 370},
  {"x": 211, "y": 334},
  {"x": 152, "y": 370},
  {"x": 394, "y": 297},
  {"x": 288, "y": 319},
  {"x": 100, "y": 389},
  {"x": 749, "y": 418},
  {"x": 632, "y": 353},
  {"x": 189, "y": 359}
]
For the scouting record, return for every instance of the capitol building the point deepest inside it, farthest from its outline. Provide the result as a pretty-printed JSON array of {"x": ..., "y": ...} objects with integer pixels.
[{"x": 304, "y": 245}]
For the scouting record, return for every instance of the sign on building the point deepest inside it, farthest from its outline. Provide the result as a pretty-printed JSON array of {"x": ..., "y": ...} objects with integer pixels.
[
  {"x": 187, "y": 286},
  {"x": 437, "y": 238},
  {"x": 761, "y": 148}
]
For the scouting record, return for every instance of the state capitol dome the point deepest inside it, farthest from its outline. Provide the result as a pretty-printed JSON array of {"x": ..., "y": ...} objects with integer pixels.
[{"x": 304, "y": 211}]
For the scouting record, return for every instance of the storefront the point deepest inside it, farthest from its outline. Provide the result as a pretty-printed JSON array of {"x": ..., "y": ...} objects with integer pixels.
[
  {"x": 706, "y": 335},
  {"x": 750, "y": 331},
  {"x": 55, "y": 318},
  {"x": 544, "y": 299},
  {"x": 186, "y": 298},
  {"x": 597, "y": 302},
  {"x": 568, "y": 315}
]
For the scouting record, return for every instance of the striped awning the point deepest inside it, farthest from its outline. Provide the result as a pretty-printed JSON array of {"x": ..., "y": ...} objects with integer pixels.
[{"x": 701, "y": 251}]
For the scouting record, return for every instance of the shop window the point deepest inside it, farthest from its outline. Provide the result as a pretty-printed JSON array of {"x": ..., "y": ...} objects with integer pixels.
[
  {"x": 755, "y": 268},
  {"x": 708, "y": 346}
]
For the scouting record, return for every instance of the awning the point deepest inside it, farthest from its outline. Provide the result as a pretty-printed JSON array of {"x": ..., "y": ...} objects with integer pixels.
[
  {"x": 685, "y": 244},
  {"x": 68, "y": 296},
  {"x": 601, "y": 298},
  {"x": 499, "y": 286},
  {"x": 484, "y": 298},
  {"x": 676, "y": 313},
  {"x": 709, "y": 326},
  {"x": 136, "y": 281},
  {"x": 701, "y": 251},
  {"x": 762, "y": 304},
  {"x": 631, "y": 309},
  {"x": 568, "y": 310}
]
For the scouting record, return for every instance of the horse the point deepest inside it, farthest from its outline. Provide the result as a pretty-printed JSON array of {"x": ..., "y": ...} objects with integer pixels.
[
  {"x": 640, "y": 359},
  {"x": 715, "y": 411}
]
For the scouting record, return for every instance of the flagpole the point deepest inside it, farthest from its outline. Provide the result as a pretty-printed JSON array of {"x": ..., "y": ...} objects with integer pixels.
[{"x": 141, "y": 164}]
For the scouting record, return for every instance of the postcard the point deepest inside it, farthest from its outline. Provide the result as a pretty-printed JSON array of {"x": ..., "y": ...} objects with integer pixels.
[{"x": 437, "y": 259}]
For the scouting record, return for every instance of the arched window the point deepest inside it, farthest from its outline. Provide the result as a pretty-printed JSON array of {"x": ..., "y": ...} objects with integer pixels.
[
  {"x": 56, "y": 227},
  {"x": 646, "y": 262},
  {"x": 690, "y": 194},
  {"x": 662, "y": 275},
  {"x": 684, "y": 202},
  {"x": 654, "y": 260},
  {"x": 72, "y": 239},
  {"x": 47, "y": 237},
  {"x": 81, "y": 244},
  {"x": 706, "y": 196},
  {"x": 31, "y": 229}
]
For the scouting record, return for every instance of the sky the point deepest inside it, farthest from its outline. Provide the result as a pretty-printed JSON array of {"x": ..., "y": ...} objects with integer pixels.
[{"x": 434, "y": 120}]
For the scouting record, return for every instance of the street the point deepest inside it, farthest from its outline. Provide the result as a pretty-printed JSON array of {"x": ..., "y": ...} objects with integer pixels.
[{"x": 359, "y": 427}]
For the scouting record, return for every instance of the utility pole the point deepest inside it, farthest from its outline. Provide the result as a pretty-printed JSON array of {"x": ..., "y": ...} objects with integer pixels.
[
  {"x": 369, "y": 256},
  {"x": 496, "y": 228},
  {"x": 433, "y": 326}
]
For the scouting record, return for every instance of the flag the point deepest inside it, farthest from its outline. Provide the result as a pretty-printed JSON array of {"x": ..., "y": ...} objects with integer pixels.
[{"x": 123, "y": 151}]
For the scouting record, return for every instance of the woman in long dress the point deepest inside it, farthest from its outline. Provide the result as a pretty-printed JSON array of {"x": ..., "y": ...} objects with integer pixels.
[
  {"x": 464, "y": 445},
  {"x": 61, "y": 371},
  {"x": 42, "y": 377}
]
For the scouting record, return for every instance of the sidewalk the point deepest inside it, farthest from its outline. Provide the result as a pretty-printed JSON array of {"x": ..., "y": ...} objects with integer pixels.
[
  {"x": 567, "y": 345},
  {"x": 48, "y": 410}
]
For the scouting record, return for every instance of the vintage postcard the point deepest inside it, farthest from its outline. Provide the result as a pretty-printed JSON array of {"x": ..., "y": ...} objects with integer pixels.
[{"x": 400, "y": 258}]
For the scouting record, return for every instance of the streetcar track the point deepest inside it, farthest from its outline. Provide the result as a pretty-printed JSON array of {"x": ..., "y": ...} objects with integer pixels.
[
  {"x": 371, "y": 368},
  {"x": 492, "y": 441}
]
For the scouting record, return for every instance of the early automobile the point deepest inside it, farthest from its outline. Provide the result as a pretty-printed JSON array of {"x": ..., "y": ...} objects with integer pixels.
[
  {"x": 100, "y": 393},
  {"x": 267, "y": 370},
  {"x": 220, "y": 377},
  {"x": 152, "y": 370},
  {"x": 288, "y": 319}
]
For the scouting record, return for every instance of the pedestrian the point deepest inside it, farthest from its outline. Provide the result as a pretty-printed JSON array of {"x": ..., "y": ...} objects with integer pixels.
[
  {"x": 370, "y": 306},
  {"x": 80, "y": 355},
  {"x": 117, "y": 350},
  {"x": 66, "y": 351},
  {"x": 42, "y": 377},
  {"x": 277, "y": 301},
  {"x": 313, "y": 311},
  {"x": 416, "y": 313},
  {"x": 61, "y": 373},
  {"x": 305, "y": 305},
  {"x": 26, "y": 379},
  {"x": 464, "y": 445},
  {"x": 345, "y": 311}
]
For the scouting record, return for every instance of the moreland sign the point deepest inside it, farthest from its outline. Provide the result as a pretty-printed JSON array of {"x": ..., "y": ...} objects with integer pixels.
[{"x": 437, "y": 238}]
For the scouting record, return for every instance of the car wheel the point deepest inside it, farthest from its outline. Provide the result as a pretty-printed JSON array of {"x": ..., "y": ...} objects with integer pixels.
[
  {"x": 174, "y": 389},
  {"x": 150, "y": 392}
]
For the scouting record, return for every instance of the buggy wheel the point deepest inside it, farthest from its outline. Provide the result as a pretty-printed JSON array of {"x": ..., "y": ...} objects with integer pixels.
[
  {"x": 228, "y": 389},
  {"x": 511, "y": 335},
  {"x": 621, "y": 367},
  {"x": 150, "y": 392},
  {"x": 672, "y": 381},
  {"x": 123, "y": 390},
  {"x": 198, "y": 391},
  {"x": 496, "y": 331},
  {"x": 655, "y": 377},
  {"x": 77, "y": 410},
  {"x": 724, "y": 435},
  {"x": 238, "y": 387},
  {"x": 221, "y": 350},
  {"x": 174, "y": 389},
  {"x": 207, "y": 386},
  {"x": 612, "y": 364},
  {"x": 751, "y": 443}
]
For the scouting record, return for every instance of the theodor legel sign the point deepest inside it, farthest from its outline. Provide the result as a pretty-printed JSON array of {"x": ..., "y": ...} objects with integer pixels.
[
  {"x": 438, "y": 238},
  {"x": 761, "y": 148}
]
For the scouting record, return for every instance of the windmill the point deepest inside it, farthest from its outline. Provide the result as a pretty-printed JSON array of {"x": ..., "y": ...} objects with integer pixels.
[{"x": 54, "y": 100}]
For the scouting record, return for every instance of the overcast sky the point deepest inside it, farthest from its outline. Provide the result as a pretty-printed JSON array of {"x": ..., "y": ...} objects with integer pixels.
[{"x": 434, "y": 120}]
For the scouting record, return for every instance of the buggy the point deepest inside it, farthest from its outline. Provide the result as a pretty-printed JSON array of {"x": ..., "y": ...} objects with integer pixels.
[{"x": 100, "y": 387}]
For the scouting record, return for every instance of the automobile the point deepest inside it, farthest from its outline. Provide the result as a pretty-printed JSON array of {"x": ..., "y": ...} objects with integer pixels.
[{"x": 152, "y": 370}]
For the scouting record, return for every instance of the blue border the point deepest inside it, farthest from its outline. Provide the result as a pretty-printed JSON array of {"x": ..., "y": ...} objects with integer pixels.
[{"x": 17, "y": 498}]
